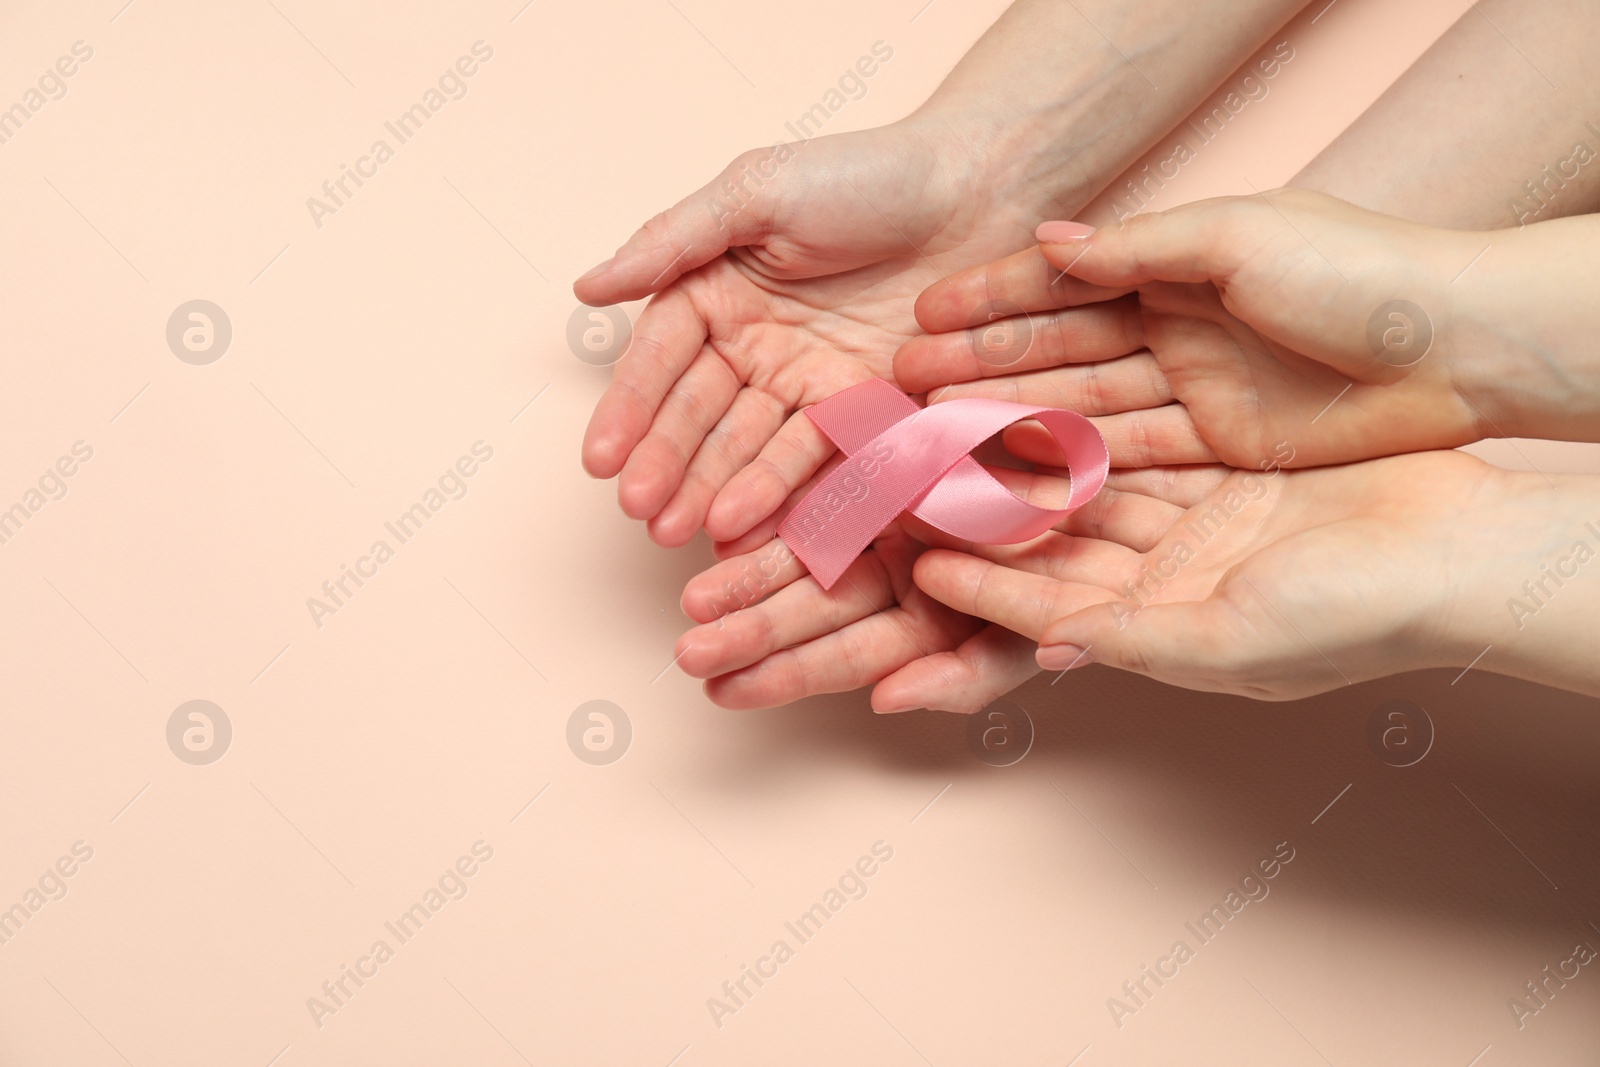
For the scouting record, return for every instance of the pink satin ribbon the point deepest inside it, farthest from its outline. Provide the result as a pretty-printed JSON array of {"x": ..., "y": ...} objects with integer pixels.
[{"x": 901, "y": 457}]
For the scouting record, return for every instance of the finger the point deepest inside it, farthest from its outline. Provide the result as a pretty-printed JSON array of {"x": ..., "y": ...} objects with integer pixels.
[
  {"x": 984, "y": 668},
  {"x": 1133, "y": 520},
  {"x": 797, "y": 613},
  {"x": 1181, "y": 486},
  {"x": 1164, "y": 435},
  {"x": 767, "y": 528},
  {"x": 690, "y": 234},
  {"x": 1056, "y": 556},
  {"x": 858, "y": 655},
  {"x": 1026, "y": 281},
  {"x": 656, "y": 466},
  {"x": 793, "y": 455},
  {"x": 1204, "y": 241},
  {"x": 1199, "y": 645},
  {"x": 1018, "y": 600},
  {"x": 668, "y": 337},
  {"x": 750, "y": 422},
  {"x": 1007, "y": 345},
  {"x": 750, "y": 540},
  {"x": 1116, "y": 385},
  {"x": 741, "y": 581}
]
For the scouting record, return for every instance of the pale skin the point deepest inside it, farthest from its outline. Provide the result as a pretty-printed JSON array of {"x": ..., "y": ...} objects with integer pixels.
[
  {"x": 818, "y": 334},
  {"x": 1292, "y": 582},
  {"x": 809, "y": 286},
  {"x": 1283, "y": 586},
  {"x": 806, "y": 285},
  {"x": 1308, "y": 578}
]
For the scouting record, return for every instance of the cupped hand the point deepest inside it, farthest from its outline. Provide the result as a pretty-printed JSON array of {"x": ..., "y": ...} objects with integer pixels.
[
  {"x": 769, "y": 634},
  {"x": 787, "y": 278},
  {"x": 1287, "y": 329},
  {"x": 1273, "y": 586}
]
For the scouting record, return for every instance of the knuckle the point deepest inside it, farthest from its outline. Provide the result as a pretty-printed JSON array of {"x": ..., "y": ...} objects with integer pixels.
[
  {"x": 688, "y": 405},
  {"x": 1054, "y": 332},
  {"x": 645, "y": 350},
  {"x": 1093, "y": 384},
  {"x": 1133, "y": 655},
  {"x": 983, "y": 592},
  {"x": 1139, "y": 438},
  {"x": 658, "y": 227},
  {"x": 765, "y": 629},
  {"x": 636, "y": 396}
]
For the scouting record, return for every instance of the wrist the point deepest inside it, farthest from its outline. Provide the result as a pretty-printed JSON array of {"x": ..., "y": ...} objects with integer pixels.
[
  {"x": 1523, "y": 572},
  {"x": 1519, "y": 343},
  {"x": 1025, "y": 106},
  {"x": 1022, "y": 164}
]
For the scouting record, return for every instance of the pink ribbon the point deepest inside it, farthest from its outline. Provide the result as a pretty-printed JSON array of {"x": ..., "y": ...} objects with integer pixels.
[{"x": 901, "y": 457}]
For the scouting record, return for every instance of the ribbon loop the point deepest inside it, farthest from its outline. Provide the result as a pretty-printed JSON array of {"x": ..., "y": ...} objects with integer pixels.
[{"x": 900, "y": 457}]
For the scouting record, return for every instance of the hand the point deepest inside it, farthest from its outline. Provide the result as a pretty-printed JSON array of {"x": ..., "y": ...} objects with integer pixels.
[
  {"x": 1257, "y": 313},
  {"x": 764, "y": 308},
  {"x": 829, "y": 248},
  {"x": 770, "y": 634},
  {"x": 831, "y": 239},
  {"x": 1282, "y": 585},
  {"x": 814, "y": 296}
]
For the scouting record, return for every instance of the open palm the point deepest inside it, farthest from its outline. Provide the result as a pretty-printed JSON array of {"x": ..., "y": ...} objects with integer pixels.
[
  {"x": 1271, "y": 586},
  {"x": 760, "y": 310},
  {"x": 763, "y": 308},
  {"x": 770, "y": 634}
]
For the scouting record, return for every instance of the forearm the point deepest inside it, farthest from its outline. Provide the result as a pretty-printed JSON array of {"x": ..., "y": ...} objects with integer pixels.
[
  {"x": 1058, "y": 98},
  {"x": 1531, "y": 606},
  {"x": 1482, "y": 132}
]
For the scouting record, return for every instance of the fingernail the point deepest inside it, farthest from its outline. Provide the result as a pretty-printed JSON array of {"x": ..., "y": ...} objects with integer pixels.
[
  {"x": 1057, "y": 233},
  {"x": 896, "y": 711},
  {"x": 597, "y": 271},
  {"x": 1062, "y": 657}
]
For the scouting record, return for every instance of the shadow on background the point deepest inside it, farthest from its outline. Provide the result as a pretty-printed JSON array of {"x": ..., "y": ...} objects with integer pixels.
[{"x": 1496, "y": 824}]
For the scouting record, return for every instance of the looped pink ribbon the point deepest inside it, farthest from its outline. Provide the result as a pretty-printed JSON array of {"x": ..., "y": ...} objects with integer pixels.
[{"x": 901, "y": 457}]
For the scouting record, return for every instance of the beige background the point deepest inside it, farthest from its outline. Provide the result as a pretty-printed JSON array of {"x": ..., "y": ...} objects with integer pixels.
[{"x": 368, "y": 755}]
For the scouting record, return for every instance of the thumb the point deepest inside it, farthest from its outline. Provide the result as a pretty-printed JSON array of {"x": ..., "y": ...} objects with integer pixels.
[
  {"x": 724, "y": 213},
  {"x": 1206, "y": 241},
  {"x": 1197, "y": 644}
]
